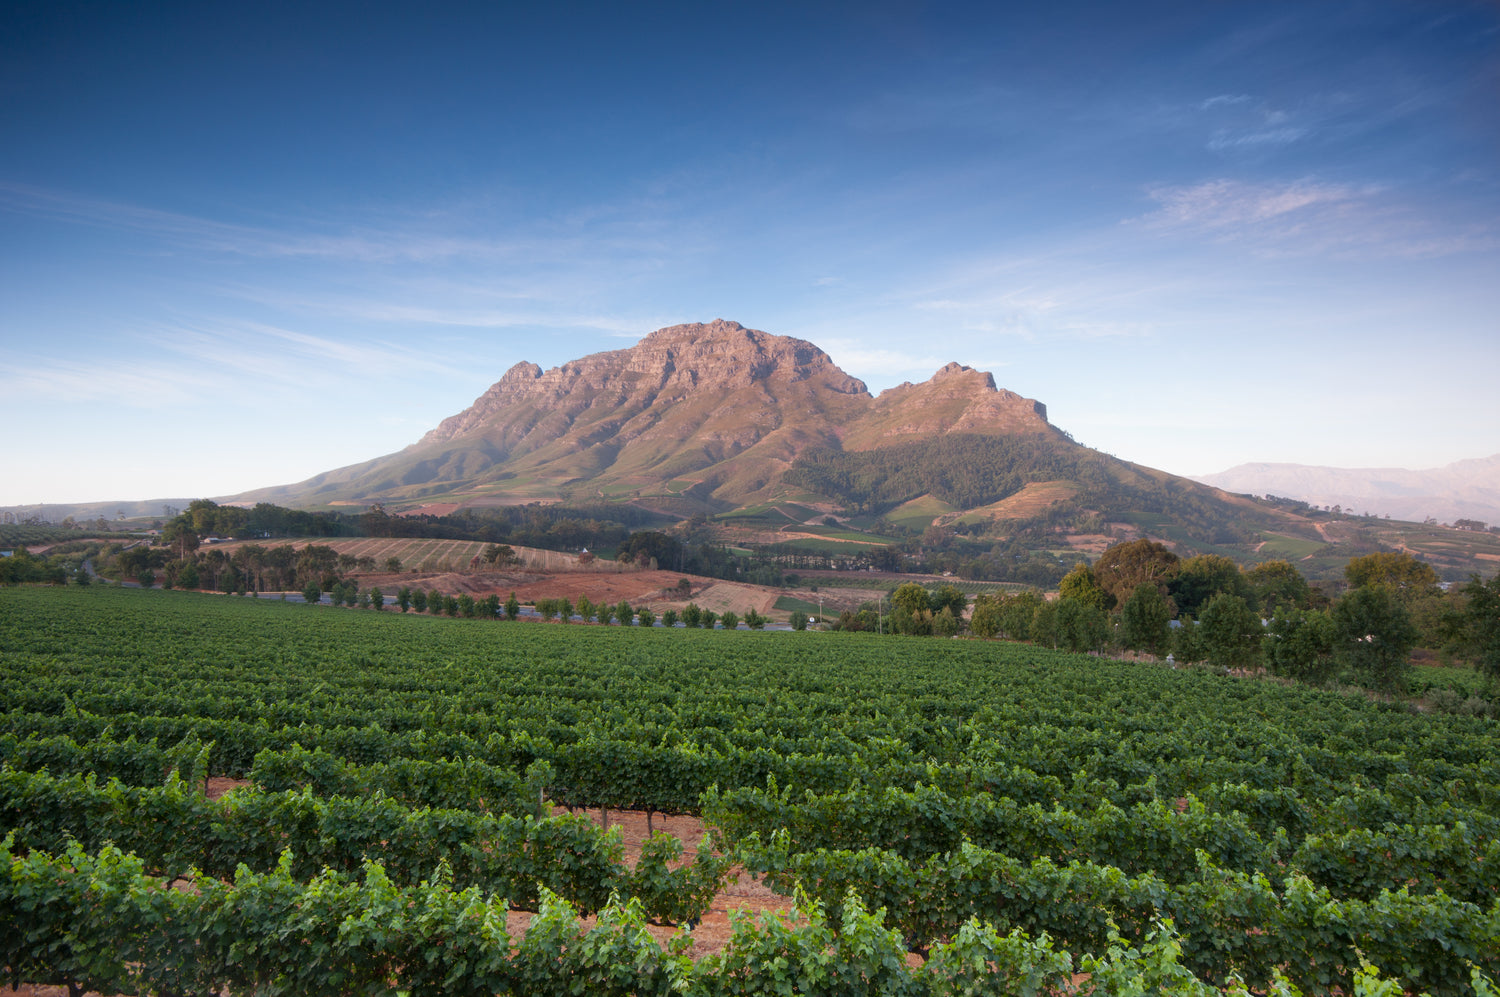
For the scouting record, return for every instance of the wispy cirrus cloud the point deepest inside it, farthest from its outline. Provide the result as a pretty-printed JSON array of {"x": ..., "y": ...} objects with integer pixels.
[
  {"x": 1311, "y": 217},
  {"x": 1220, "y": 204},
  {"x": 564, "y": 241}
]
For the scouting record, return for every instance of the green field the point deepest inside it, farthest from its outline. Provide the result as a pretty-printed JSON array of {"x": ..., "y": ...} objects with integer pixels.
[
  {"x": 791, "y": 604},
  {"x": 944, "y": 783},
  {"x": 1289, "y": 548}
]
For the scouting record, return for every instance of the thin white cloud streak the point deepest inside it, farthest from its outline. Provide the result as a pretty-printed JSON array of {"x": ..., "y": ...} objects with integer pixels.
[
  {"x": 1276, "y": 136},
  {"x": 357, "y": 245},
  {"x": 239, "y": 363},
  {"x": 1311, "y": 218},
  {"x": 368, "y": 307},
  {"x": 1220, "y": 204},
  {"x": 138, "y": 384}
]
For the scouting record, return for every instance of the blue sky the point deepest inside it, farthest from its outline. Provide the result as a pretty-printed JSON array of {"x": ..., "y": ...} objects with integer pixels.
[{"x": 242, "y": 244}]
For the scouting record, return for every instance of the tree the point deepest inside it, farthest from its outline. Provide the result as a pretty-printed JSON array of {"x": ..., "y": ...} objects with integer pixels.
[
  {"x": 435, "y": 602},
  {"x": 466, "y": 606},
  {"x": 311, "y": 593},
  {"x": 684, "y": 587},
  {"x": 1145, "y": 619},
  {"x": 179, "y": 535},
  {"x": 950, "y": 598},
  {"x": 944, "y": 623},
  {"x": 546, "y": 608},
  {"x": 377, "y": 599},
  {"x": 1080, "y": 585},
  {"x": 1275, "y": 584},
  {"x": 1043, "y": 625},
  {"x": 585, "y": 609},
  {"x": 1408, "y": 578},
  {"x": 985, "y": 620},
  {"x": 605, "y": 612},
  {"x": 501, "y": 555},
  {"x": 754, "y": 620},
  {"x": 799, "y": 620},
  {"x": 1081, "y": 626},
  {"x": 1231, "y": 632},
  {"x": 708, "y": 618},
  {"x": 419, "y": 600},
  {"x": 910, "y": 597},
  {"x": 669, "y": 618},
  {"x": 730, "y": 620},
  {"x": 1299, "y": 645},
  {"x": 624, "y": 613},
  {"x": 393, "y": 564},
  {"x": 565, "y": 610},
  {"x": 1374, "y": 636},
  {"x": 1202, "y": 577},
  {"x": 1017, "y": 613},
  {"x": 1124, "y": 567},
  {"x": 1482, "y": 618},
  {"x": 646, "y": 617},
  {"x": 1187, "y": 641},
  {"x": 491, "y": 606},
  {"x": 691, "y": 615},
  {"x": 512, "y": 607},
  {"x": 403, "y": 598}
]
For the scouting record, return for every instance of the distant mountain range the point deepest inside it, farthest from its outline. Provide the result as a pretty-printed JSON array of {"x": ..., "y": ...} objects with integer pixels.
[{"x": 1466, "y": 489}]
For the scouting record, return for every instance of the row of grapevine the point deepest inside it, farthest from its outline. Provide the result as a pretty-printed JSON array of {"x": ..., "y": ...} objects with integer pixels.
[
  {"x": 176, "y": 831},
  {"x": 939, "y": 781},
  {"x": 98, "y": 921},
  {"x": 1233, "y": 924}
]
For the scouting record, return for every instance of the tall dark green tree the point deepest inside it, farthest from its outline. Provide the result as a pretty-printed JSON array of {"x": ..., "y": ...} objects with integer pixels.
[
  {"x": 1202, "y": 577},
  {"x": 1080, "y": 585},
  {"x": 1275, "y": 584},
  {"x": 1375, "y": 636},
  {"x": 1482, "y": 617},
  {"x": 1299, "y": 645},
  {"x": 1231, "y": 632},
  {"x": 1145, "y": 620}
]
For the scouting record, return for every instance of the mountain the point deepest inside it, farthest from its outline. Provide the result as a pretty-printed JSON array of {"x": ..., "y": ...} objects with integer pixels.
[
  {"x": 767, "y": 432},
  {"x": 707, "y": 415},
  {"x": 1466, "y": 489}
]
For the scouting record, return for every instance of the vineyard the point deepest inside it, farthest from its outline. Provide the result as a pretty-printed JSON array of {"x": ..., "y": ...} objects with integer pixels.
[
  {"x": 447, "y": 555},
  {"x": 951, "y": 817}
]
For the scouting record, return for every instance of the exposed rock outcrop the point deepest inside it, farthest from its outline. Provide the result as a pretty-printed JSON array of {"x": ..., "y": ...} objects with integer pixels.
[{"x": 712, "y": 410}]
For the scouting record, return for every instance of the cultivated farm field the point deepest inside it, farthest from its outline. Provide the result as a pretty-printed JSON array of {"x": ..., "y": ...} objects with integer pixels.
[{"x": 951, "y": 816}]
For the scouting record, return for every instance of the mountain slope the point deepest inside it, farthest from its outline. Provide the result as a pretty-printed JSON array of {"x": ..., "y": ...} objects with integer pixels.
[
  {"x": 716, "y": 418},
  {"x": 713, "y": 410}
]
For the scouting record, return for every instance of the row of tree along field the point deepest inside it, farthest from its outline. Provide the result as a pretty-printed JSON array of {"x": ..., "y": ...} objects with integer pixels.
[
  {"x": 970, "y": 816},
  {"x": 1139, "y": 596}
]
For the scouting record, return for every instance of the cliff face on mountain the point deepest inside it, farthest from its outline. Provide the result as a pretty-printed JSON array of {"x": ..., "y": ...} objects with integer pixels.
[{"x": 716, "y": 411}]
